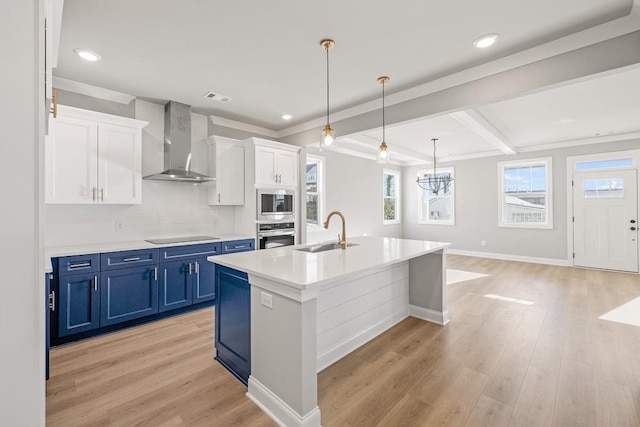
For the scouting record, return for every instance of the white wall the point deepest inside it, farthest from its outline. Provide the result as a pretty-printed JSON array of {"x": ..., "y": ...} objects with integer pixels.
[
  {"x": 22, "y": 306},
  {"x": 168, "y": 209},
  {"x": 476, "y": 213},
  {"x": 354, "y": 187}
]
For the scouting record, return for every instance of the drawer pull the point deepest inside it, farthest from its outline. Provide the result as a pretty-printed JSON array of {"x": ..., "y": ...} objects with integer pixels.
[
  {"x": 95, "y": 283},
  {"x": 131, "y": 259},
  {"x": 81, "y": 265}
]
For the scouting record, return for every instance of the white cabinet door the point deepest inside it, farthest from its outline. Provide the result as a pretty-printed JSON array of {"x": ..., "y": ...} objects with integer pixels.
[
  {"x": 266, "y": 159},
  {"x": 287, "y": 168},
  {"x": 71, "y": 152},
  {"x": 228, "y": 188},
  {"x": 119, "y": 164}
]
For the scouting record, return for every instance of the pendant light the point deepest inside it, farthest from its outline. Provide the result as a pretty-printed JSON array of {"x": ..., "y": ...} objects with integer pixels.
[
  {"x": 383, "y": 152},
  {"x": 327, "y": 140},
  {"x": 437, "y": 184}
]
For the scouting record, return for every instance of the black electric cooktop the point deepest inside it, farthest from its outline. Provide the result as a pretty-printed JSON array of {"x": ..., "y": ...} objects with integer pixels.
[{"x": 181, "y": 239}]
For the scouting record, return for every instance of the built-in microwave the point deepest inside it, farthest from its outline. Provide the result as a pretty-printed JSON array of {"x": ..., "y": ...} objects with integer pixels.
[{"x": 275, "y": 204}]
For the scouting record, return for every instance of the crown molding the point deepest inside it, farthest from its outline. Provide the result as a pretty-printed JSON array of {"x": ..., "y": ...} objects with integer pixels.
[
  {"x": 221, "y": 121},
  {"x": 93, "y": 91}
]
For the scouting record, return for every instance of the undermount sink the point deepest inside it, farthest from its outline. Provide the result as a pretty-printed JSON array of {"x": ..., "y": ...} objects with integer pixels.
[{"x": 324, "y": 247}]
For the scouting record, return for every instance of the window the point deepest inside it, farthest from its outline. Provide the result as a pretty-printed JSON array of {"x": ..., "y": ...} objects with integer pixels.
[
  {"x": 390, "y": 197},
  {"x": 525, "y": 193},
  {"x": 437, "y": 207},
  {"x": 314, "y": 189},
  {"x": 604, "y": 164}
]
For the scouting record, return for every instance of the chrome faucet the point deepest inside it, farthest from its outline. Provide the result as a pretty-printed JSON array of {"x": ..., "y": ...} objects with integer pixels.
[{"x": 342, "y": 240}]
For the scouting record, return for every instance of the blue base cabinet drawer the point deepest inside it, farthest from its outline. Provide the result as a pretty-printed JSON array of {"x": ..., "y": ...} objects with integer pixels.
[
  {"x": 233, "y": 321},
  {"x": 238, "y": 246},
  {"x": 126, "y": 259},
  {"x": 175, "y": 253},
  {"x": 77, "y": 264},
  {"x": 128, "y": 294}
]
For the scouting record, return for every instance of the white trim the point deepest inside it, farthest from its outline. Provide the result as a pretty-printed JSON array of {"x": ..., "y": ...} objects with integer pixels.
[
  {"x": 428, "y": 221},
  {"x": 571, "y": 162},
  {"x": 79, "y": 113},
  {"x": 93, "y": 91},
  {"x": 398, "y": 178},
  {"x": 429, "y": 315},
  {"x": 479, "y": 125},
  {"x": 233, "y": 124},
  {"x": 548, "y": 163},
  {"x": 506, "y": 257},
  {"x": 277, "y": 409},
  {"x": 336, "y": 353}
]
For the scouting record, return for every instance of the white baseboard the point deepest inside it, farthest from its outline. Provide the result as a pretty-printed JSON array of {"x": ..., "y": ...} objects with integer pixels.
[
  {"x": 277, "y": 409},
  {"x": 338, "y": 352},
  {"x": 429, "y": 315},
  {"x": 506, "y": 257}
]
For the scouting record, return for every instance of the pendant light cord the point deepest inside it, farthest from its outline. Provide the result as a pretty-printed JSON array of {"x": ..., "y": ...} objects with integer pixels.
[
  {"x": 327, "y": 49},
  {"x": 384, "y": 139}
]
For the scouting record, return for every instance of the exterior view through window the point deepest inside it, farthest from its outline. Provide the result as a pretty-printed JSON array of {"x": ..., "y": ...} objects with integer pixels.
[
  {"x": 314, "y": 190},
  {"x": 390, "y": 197},
  {"x": 525, "y": 198},
  {"x": 437, "y": 205}
]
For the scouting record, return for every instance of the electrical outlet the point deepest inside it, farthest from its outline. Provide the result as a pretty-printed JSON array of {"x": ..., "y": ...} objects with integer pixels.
[
  {"x": 483, "y": 243},
  {"x": 118, "y": 225},
  {"x": 266, "y": 299}
]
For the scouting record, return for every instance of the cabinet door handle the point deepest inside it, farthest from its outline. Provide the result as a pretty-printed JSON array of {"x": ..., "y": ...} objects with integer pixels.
[
  {"x": 82, "y": 264},
  {"x": 102, "y": 194},
  {"x": 189, "y": 268},
  {"x": 52, "y": 300},
  {"x": 93, "y": 193},
  {"x": 131, "y": 259},
  {"x": 197, "y": 268},
  {"x": 155, "y": 274},
  {"x": 218, "y": 197},
  {"x": 95, "y": 283}
]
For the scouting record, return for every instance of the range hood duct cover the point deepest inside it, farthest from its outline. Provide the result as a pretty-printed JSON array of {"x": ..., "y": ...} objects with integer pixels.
[{"x": 177, "y": 146}]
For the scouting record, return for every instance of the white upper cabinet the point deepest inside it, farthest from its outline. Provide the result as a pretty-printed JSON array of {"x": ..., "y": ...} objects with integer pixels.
[
  {"x": 276, "y": 167},
  {"x": 93, "y": 158},
  {"x": 226, "y": 159}
]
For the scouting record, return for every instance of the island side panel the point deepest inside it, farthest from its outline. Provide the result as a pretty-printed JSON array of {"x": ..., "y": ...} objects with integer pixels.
[
  {"x": 283, "y": 358},
  {"x": 428, "y": 287}
]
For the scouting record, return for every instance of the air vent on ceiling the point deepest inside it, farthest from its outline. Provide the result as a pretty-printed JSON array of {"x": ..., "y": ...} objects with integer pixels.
[{"x": 217, "y": 97}]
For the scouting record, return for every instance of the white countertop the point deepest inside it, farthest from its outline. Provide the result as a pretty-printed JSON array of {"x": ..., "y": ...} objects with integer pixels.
[
  {"x": 303, "y": 270},
  {"x": 92, "y": 248}
]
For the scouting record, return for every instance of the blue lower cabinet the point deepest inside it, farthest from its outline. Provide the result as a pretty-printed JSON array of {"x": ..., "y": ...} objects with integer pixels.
[
  {"x": 79, "y": 305},
  {"x": 176, "y": 285},
  {"x": 233, "y": 321},
  {"x": 204, "y": 283},
  {"x": 128, "y": 294}
]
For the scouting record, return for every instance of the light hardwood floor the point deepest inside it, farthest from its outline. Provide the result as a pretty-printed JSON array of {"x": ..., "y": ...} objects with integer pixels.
[{"x": 498, "y": 362}]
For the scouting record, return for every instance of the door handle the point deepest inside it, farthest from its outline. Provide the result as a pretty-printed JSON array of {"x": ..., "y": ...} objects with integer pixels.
[
  {"x": 633, "y": 229},
  {"x": 633, "y": 221}
]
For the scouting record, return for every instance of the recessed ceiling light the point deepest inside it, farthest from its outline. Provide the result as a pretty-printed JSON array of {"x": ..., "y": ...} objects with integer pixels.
[
  {"x": 485, "y": 41},
  {"x": 287, "y": 117},
  {"x": 87, "y": 55}
]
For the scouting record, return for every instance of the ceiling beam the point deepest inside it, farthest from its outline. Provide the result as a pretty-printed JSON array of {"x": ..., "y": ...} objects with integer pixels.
[
  {"x": 372, "y": 144},
  {"x": 482, "y": 127}
]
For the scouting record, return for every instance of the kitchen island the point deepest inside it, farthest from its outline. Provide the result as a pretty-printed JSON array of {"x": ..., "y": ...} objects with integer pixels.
[{"x": 309, "y": 308}]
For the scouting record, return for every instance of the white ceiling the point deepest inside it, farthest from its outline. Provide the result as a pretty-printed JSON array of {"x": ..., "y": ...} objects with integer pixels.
[{"x": 266, "y": 57}]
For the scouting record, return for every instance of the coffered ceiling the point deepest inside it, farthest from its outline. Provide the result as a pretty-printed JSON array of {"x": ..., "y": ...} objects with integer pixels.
[{"x": 266, "y": 57}]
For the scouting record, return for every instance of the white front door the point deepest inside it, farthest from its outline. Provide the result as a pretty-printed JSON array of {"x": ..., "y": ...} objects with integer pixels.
[{"x": 605, "y": 212}]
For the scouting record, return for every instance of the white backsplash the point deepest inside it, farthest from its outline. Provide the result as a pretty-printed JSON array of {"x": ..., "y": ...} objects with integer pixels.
[{"x": 168, "y": 209}]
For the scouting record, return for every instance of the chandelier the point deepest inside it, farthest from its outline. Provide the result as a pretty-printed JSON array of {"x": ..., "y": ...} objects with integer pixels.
[{"x": 437, "y": 184}]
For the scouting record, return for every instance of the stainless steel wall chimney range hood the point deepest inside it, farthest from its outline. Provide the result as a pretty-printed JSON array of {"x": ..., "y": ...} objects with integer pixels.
[{"x": 177, "y": 146}]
